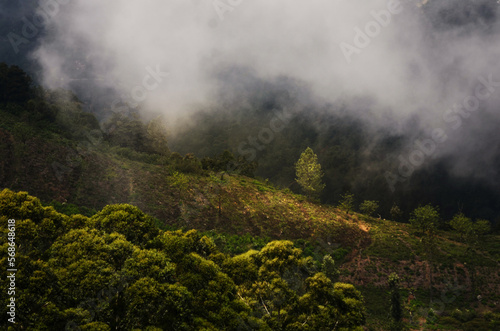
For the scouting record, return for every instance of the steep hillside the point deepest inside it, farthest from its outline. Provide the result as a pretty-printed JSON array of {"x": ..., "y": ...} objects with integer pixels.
[{"x": 241, "y": 213}]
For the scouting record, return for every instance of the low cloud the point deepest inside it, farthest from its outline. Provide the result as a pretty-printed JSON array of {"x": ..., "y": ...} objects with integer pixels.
[{"x": 414, "y": 60}]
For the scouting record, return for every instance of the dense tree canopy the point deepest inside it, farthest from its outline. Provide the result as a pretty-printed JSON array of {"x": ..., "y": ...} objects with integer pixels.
[{"x": 117, "y": 271}]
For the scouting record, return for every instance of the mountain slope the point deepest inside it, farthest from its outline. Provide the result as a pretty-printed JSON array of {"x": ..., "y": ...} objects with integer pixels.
[{"x": 52, "y": 149}]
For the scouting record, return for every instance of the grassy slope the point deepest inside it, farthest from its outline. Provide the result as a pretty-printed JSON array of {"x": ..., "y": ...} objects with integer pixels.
[{"x": 94, "y": 175}]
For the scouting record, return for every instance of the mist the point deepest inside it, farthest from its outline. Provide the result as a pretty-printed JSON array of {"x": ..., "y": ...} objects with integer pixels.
[{"x": 414, "y": 60}]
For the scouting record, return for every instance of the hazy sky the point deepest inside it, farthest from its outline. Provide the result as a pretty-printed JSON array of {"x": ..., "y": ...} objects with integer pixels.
[
  {"x": 410, "y": 63},
  {"x": 407, "y": 64}
]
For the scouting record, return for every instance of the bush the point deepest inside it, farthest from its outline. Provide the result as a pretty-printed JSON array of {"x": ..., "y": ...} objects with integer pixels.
[
  {"x": 464, "y": 315},
  {"x": 187, "y": 164},
  {"x": 396, "y": 213},
  {"x": 347, "y": 202},
  {"x": 133, "y": 155},
  {"x": 449, "y": 321},
  {"x": 368, "y": 207},
  {"x": 71, "y": 209}
]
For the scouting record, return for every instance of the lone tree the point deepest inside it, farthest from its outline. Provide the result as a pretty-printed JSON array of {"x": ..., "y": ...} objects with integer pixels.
[
  {"x": 425, "y": 220},
  {"x": 368, "y": 207},
  {"x": 396, "y": 213},
  {"x": 309, "y": 173},
  {"x": 347, "y": 202}
]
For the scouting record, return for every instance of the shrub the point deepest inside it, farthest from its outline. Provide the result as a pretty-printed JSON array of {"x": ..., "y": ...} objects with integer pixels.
[
  {"x": 347, "y": 202},
  {"x": 368, "y": 207}
]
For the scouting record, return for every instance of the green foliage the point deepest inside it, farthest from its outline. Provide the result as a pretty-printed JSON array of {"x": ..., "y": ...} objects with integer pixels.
[
  {"x": 291, "y": 294},
  {"x": 151, "y": 303},
  {"x": 329, "y": 268},
  {"x": 40, "y": 110},
  {"x": 227, "y": 162},
  {"x": 37, "y": 226},
  {"x": 368, "y": 207},
  {"x": 221, "y": 162},
  {"x": 482, "y": 227},
  {"x": 425, "y": 219},
  {"x": 128, "y": 131},
  {"x": 242, "y": 268},
  {"x": 71, "y": 120},
  {"x": 396, "y": 213},
  {"x": 461, "y": 224},
  {"x": 468, "y": 230},
  {"x": 309, "y": 174},
  {"x": 134, "y": 155},
  {"x": 324, "y": 316},
  {"x": 493, "y": 318},
  {"x": 115, "y": 271},
  {"x": 157, "y": 133},
  {"x": 187, "y": 164},
  {"x": 244, "y": 167},
  {"x": 137, "y": 227},
  {"x": 150, "y": 263},
  {"x": 278, "y": 257},
  {"x": 72, "y": 209},
  {"x": 347, "y": 202},
  {"x": 179, "y": 181},
  {"x": 463, "y": 315},
  {"x": 82, "y": 262},
  {"x": 238, "y": 244}
]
